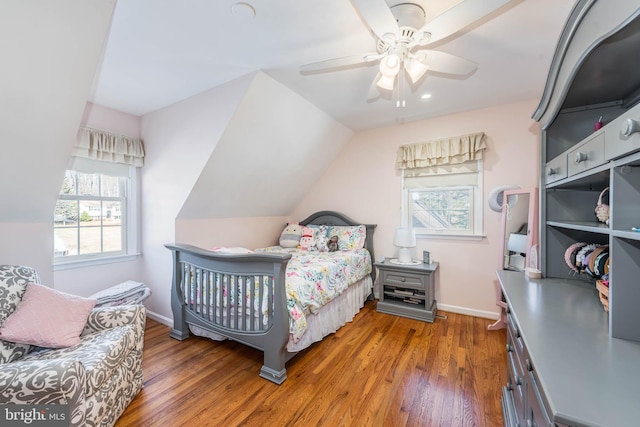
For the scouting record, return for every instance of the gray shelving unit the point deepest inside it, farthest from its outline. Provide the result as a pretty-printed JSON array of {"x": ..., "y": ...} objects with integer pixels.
[
  {"x": 570, "y": 362},
  {"x": 578, "y": 162}
]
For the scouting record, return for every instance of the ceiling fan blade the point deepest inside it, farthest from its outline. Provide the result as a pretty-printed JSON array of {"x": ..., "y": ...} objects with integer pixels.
[
  {"x": 377, "y": 15},
  {"x": 338, "y": 63},
  {"x": 459, "y": 17},
  {"x": 442, "y": 62}
]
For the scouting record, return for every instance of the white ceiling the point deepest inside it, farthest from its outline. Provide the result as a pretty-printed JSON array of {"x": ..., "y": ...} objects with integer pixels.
[{"x": 162, "y": 51}]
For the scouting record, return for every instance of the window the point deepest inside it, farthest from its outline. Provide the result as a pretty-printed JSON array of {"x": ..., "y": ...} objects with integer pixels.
[
  {"x": 95, "y": 215},
  {"x": 444, "y": 200}
]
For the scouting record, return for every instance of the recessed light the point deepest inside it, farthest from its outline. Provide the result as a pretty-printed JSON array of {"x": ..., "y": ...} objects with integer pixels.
[
  {"x": 426, "y": 96},
  {"x": 243, "y": 10}
]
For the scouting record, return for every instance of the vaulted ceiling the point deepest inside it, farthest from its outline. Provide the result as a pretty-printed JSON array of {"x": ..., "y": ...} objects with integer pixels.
[{"x": 161, "y": 52}]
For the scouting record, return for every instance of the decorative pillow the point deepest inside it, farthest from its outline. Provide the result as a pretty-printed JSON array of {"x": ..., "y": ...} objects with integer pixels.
[
  {"x": 349, "y": 237},
  {"x": 13, "y": 282},
  {"x": 47, "y": 318},
  {"x": 291, "y": 235}
]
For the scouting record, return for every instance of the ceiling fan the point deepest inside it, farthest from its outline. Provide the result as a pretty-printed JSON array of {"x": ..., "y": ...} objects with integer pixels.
[{"x": 402, "y": 34}]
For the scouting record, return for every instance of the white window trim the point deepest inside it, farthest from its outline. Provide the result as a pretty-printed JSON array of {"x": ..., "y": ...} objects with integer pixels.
[
  {"x": 478, "y": 232},
  {"x": 133, "y": 232},
  {"x": 60, "y": 266}
]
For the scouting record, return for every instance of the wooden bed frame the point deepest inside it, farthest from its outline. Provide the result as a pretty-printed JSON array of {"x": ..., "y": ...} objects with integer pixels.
[{"x": 201, "y": 268}]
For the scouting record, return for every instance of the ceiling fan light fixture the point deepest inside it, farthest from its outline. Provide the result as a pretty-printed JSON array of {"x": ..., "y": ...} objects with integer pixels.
[
  {"x": 415, "y": 69},
  {"x": 390, "y": 65},
  {"x": 386, "y": 82}
]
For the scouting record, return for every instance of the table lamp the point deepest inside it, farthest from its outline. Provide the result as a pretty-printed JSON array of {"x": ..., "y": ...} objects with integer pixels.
[{"x": 405, "y": 239}]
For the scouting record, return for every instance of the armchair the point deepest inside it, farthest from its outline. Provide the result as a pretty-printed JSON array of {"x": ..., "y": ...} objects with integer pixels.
[{"x": 96, "y": 378}]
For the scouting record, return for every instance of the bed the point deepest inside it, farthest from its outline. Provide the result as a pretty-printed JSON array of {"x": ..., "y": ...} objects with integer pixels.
[{"x": 254, "y": 298}]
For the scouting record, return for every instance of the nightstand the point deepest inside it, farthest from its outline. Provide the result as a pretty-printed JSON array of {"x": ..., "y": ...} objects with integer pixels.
[{"x": 407, "y": 290}]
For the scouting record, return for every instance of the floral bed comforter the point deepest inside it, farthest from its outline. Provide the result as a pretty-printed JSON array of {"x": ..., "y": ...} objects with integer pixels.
[{"x": 315, "y": 278}]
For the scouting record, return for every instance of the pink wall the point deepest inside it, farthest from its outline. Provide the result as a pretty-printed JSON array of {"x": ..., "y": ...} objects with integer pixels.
[
  {"x": 179, "y": 140},
  {"x": 103, "y": 118},
  {"x": 364, "y": 184},
  {"x": 244, "y": 232}
]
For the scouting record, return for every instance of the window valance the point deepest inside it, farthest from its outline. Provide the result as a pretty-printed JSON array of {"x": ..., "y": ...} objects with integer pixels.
[
  {"x": 446, "y": 151},
  {"x": 109, "y": 147}
]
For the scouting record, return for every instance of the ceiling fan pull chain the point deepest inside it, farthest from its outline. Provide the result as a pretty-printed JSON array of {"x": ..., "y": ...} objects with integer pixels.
[
  {"x": 397, "y": 92},
  {"x": 400, "y": 100}
]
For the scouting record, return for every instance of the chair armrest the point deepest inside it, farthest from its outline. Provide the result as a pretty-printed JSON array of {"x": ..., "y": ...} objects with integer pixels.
[
  {"x": 112, "y": 317},
  {"x": 44, "y": 382}
]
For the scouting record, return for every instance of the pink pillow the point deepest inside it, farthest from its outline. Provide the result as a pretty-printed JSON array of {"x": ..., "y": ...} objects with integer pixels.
[{"x": 47, "y": 318}]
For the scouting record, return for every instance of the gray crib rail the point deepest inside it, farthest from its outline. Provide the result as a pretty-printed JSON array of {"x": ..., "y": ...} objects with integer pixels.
[{"x": 240, "y": 296}]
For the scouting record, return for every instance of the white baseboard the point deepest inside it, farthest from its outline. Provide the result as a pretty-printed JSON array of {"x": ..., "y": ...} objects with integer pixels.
[
  {"x": 444, "y": 307},
  {"x": 469, "y": 311},
  {"x": 158, "y": 318}
]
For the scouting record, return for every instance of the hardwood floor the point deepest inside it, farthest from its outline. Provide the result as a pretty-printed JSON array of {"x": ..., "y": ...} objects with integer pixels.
[{"x": 379, "y": 370}]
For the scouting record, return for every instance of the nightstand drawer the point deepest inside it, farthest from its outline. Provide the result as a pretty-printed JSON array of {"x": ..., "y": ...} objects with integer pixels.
[{"x": 407, "y": 280}]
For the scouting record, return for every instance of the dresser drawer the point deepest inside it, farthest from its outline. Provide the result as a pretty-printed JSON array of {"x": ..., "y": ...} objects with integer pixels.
[
  {"x": 623, "y": 134},
  {"x": 516, "y": 376},
  {"x": 517, "y": 337},
  {"x": 556, "y": 169},
  {"x": 509, "y": 416},
  {"x": 402, "y": 279},
  {"x": 537, "y": 407},
  {"x": 587, "y": 155}
]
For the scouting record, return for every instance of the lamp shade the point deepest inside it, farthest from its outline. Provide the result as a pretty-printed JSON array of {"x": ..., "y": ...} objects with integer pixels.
[
  {"x": 405, "y": 237},
  {"x": 415, "y": 69},
  {"x": 386, "y": 82},
  {"x": 517, "y": 243},
  {"x": 389, "y": 68},
  {"x": 390, "y": 65}
]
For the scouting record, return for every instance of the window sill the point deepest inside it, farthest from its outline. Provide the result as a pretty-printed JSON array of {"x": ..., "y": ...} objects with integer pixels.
[
  {"x": 59, "y": 266},
  {"x": 473, "y": 237}
]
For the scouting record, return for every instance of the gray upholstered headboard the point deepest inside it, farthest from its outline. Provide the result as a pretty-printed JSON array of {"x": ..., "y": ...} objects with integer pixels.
[{"x": 336, "y": 218}]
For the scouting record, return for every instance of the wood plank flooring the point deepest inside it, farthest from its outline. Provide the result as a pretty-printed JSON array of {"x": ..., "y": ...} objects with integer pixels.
[{"x": 379, "y": 370}]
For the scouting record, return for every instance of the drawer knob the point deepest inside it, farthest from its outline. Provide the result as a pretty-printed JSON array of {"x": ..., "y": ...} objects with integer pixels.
[
  {"x": 581, "y": 157},
  {"x": 630, "y": 126},
  {"x": 551, "y": 171},
  {"x": 509, "y": 348},
  {"x": 402, "y": 279},
  {"x": 518, "y": 381},
  {"x": 529, "y": 367}
]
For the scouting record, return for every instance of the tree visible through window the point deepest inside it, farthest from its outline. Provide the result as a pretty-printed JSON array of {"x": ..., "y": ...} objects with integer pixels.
[
  {"x": 90, "y": 215},
  {"x": 447, "y": 209},
  {"x": 444, "y": 199}
]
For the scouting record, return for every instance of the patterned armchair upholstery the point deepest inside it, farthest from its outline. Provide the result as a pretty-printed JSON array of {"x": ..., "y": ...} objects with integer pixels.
[{"x": 96, "y": 378}]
